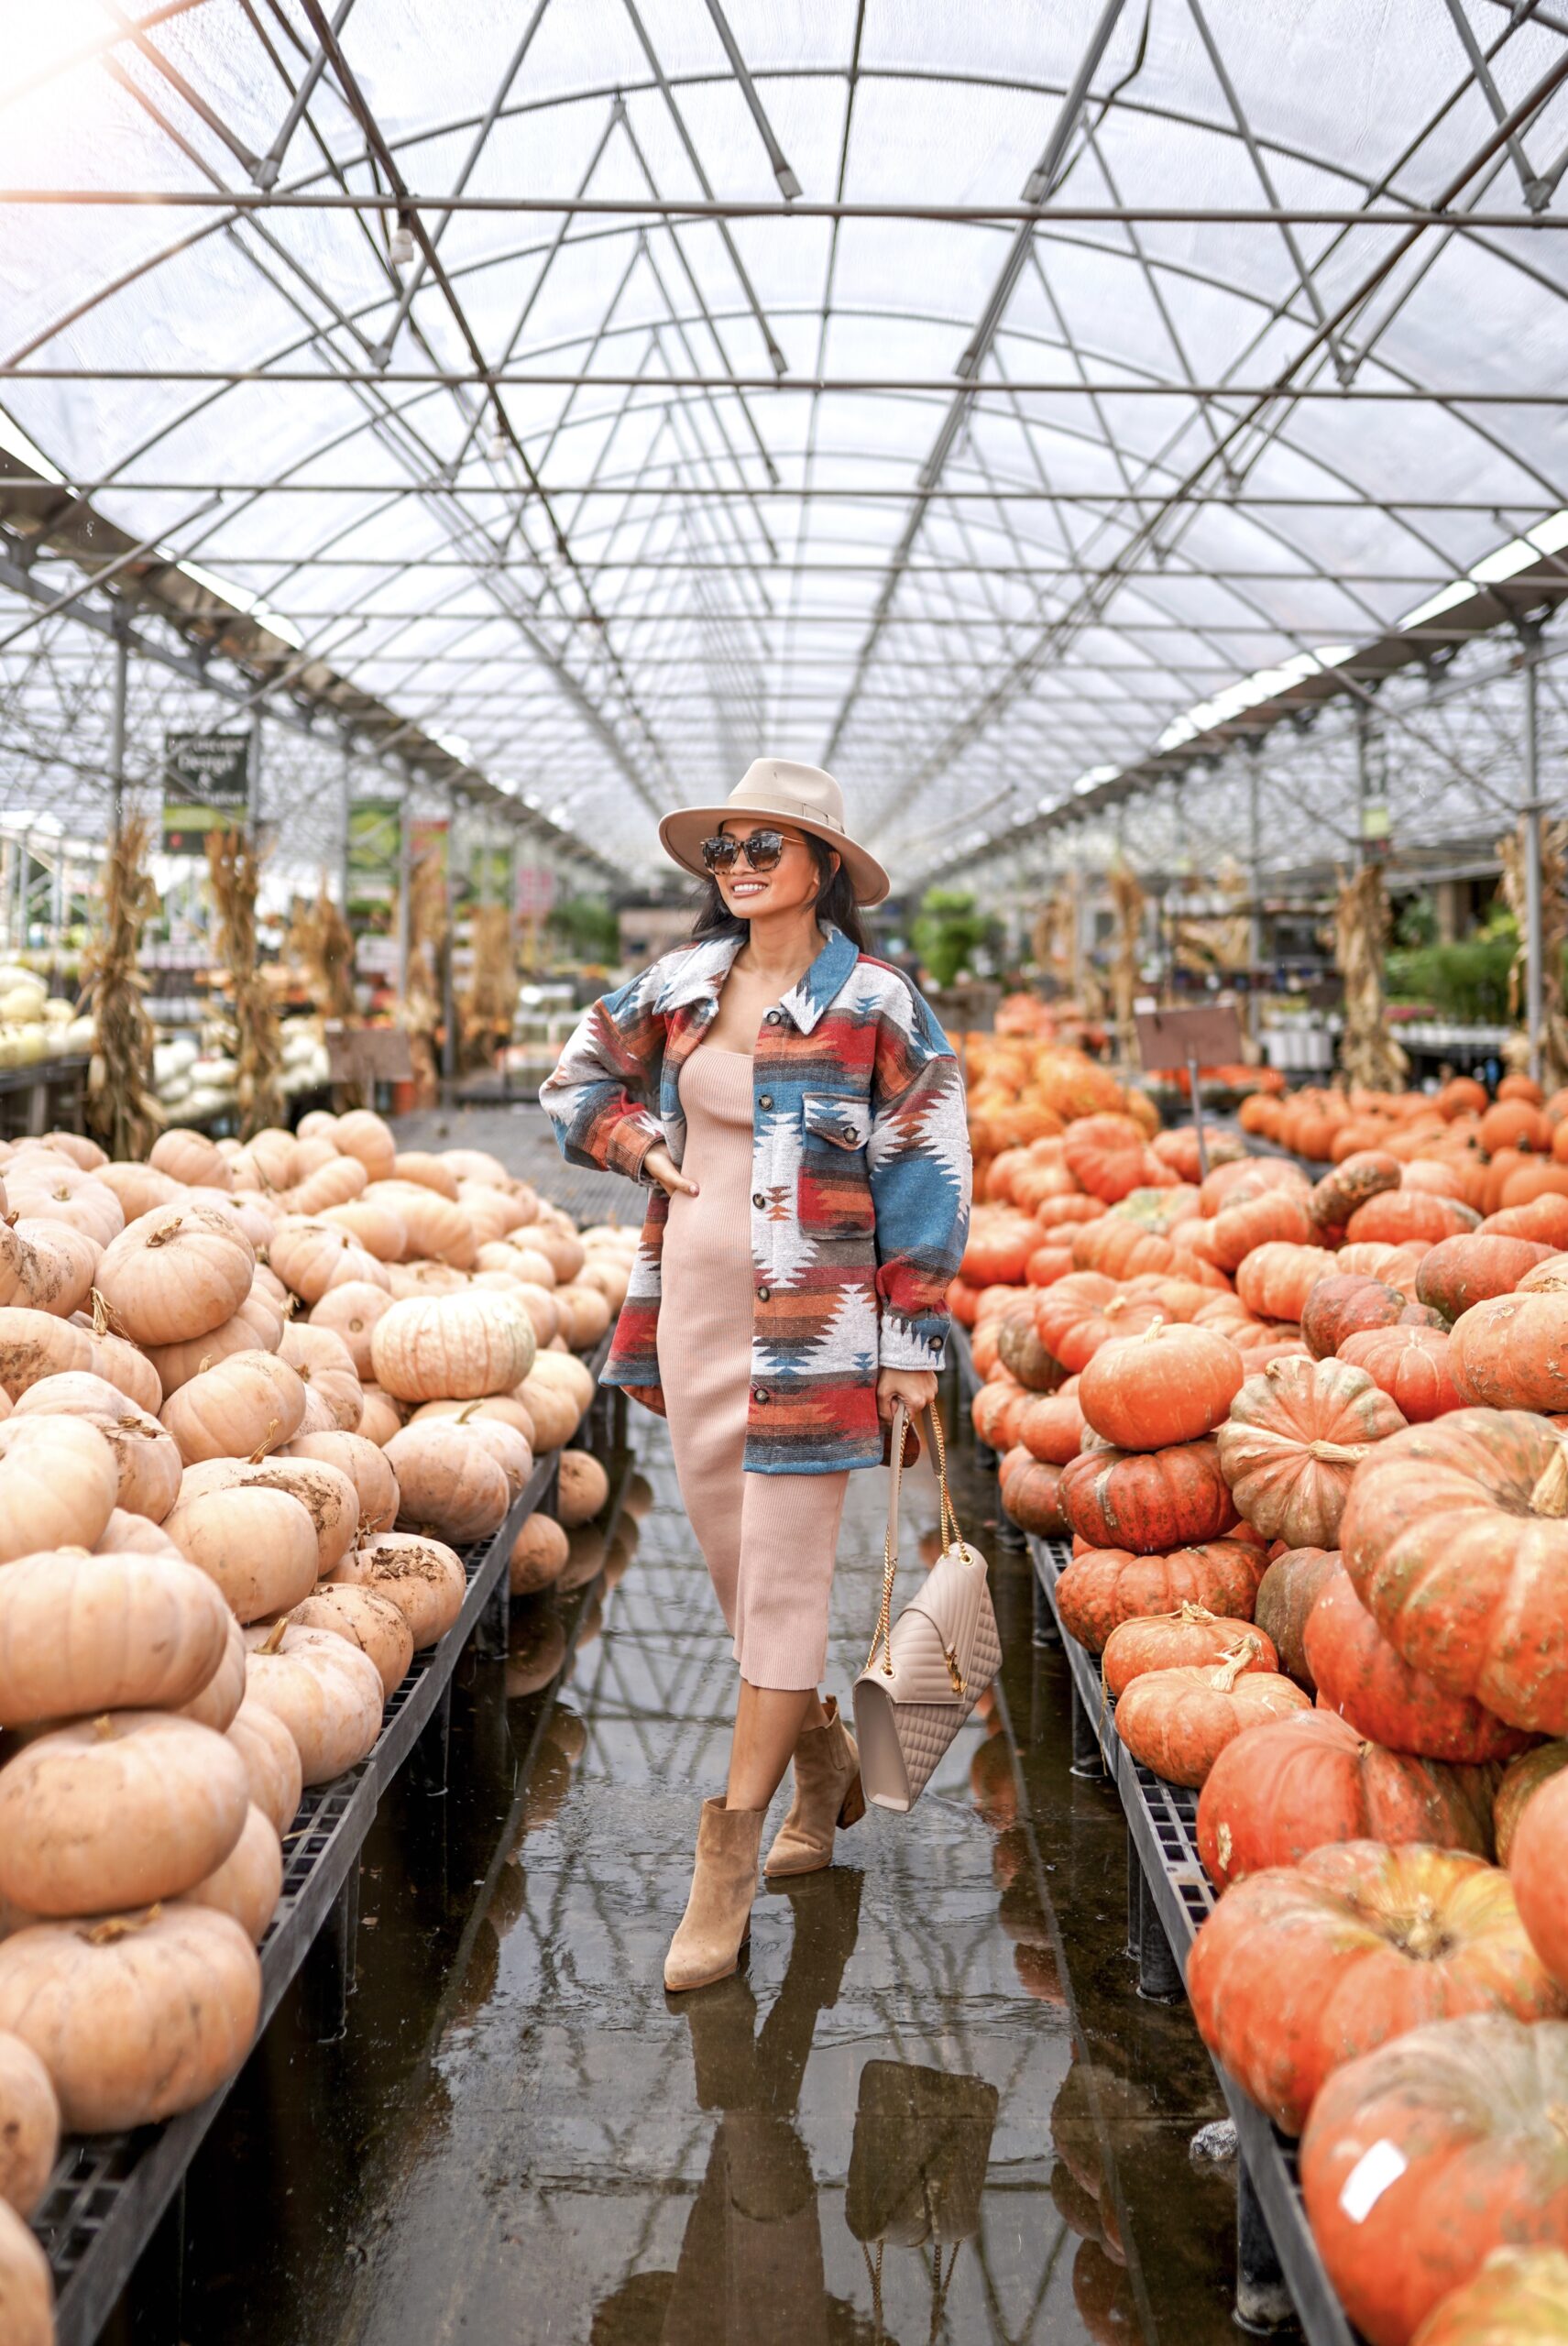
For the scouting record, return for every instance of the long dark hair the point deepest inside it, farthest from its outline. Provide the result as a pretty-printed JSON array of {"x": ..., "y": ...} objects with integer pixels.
[{"x": 835, "y": 902}]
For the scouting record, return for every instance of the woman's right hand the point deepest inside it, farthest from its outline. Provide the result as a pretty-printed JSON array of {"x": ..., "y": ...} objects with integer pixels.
[{"x": 661, "y": 1167}]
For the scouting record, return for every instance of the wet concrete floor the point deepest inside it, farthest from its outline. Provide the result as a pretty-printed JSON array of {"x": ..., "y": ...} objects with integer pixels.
[{"x": 931, "y": 2106}]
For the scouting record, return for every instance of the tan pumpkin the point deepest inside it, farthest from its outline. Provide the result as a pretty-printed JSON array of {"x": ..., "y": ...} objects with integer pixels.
[
  {"x": 538, "y": 1554},
  {"x": 610, "y": 1275},
  {"x": 560, "y": 1247},
  {"x": 266, "y": 1161},
  {"x": 503, "y": 1407},
  {"x": 258, "y": 1545},
  {"x": 479, "y": 1165},
  {"x": 36, "y": 1344},
  {"x": 362, "y": 1135},
  {"x": 375, "y": 1484},
  {"x": 438, "y": 1229},
  {"x": 328, "y": 1693},
  {"x": 419, "y": 1165},
  {"x": 555, "y": 1414},
  {"x": 524, "y": 1262},
  {"x": 58, "y": 1485},
  {"x": 116, "y": 1811},
  {"x": 81, "y": 1633},
  {"x": 136, "y": 2018},
  {"x": 373, "y": 1225},
  {"x": 58, "y": 1191},
  {"x": 585, "y": 1488},
  {"x": 177, "y": 1272},
  {"x": 26, "y": 2291},
  {"x": 146, "y": 1459},
  {"x": 248, "y": 1403},
  {"x": 351, "y": 1311},
  {"x": 586, "y": 1557},
  {"x": 422, "y": 1577},
  {"x": 46, "y": 1267},
  {"x": 337, "y": 1184},
  {"x": 318, "y": 1124},
  {"x": 449, "y": 1481},
  {"x": 29, "y": 2133},
  {"x": 328, "y": 1496},
  {"x": 217, "y": 1702},
  {"x": 418, "y": 1282},
  {"x": 191, "y": 1158},
  {"x": 323, "y": 1361},
  {"x": 569, "y": 1376},
  {"x": 590, "y": 1310},
  {"x": 254, "y": 1220},
  {"x": 370, "y": 1621},
  {"x": 271, "y": 1758},
  {"x": 488, "y": 1212},
  {"x": 379, "y": 1416},
  {"x": 454, "y": 1348},
  {"x": 544, "y": 1318},
  {"x": 312, "y": 1257},
  {"x": 140, "y": 1188},
  {"x": 127, "y": 1368},
  {"x": 249, "y": 1882},
  {"x": 255, "y": 1327}
]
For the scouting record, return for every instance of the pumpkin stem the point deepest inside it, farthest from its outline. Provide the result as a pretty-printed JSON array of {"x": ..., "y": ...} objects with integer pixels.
[
  {"x": 1338, "y": 1453},
  {"x": 1423, "y": 1936},
  {"x": 100, "y": 1313},
  {"x": 104, "y": 1726},
  {"x": 1550, "y": 1495},
  {"x": 273, "y": 1641},
  {"x": 1232, "y": 1664},
  {"x": 164, "y": 1236},
  {"x": 265, "y": 1444},
  {"x": 118, "y": 1926}
]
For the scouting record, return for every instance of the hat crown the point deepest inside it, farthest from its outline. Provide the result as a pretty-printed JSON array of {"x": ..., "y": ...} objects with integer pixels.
[{"x": 780, "y": 786}]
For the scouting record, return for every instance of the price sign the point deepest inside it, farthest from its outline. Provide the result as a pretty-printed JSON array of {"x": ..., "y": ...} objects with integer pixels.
[{"x": 206, "y": 787}]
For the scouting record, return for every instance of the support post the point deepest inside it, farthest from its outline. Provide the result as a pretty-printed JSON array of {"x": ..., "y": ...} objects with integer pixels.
[
  {"x": 429, "y": 1759},
  {"x": 1044, "y": 1626},
  {"x": 117, "y": 728},
  {"x": 405, "y": 887},
  {"x": 329, "y": 1967},
  {"x": 1135, "y": 1903},
  {"x": 1263, "y": 2301},
  {"x": 1254, "y": 889},
  {"x": 1192, "y": 1079},
  {"x": 448, "y": 984},
  {"x": 1159, "y": 1974},
  {"x": 493, "y": 1628},
  {"x": 1088, "y": 1760},
  {"x": 345, "y": 809},
  {"x": 1535, "y": 958}
]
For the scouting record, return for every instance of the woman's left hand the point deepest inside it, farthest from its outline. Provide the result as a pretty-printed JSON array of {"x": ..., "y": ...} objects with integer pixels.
[{"x": 914, "y": 1386}]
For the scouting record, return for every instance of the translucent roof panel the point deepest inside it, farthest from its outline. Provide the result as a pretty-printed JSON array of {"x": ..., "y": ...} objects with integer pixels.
[{"x": 624, "y": 389}]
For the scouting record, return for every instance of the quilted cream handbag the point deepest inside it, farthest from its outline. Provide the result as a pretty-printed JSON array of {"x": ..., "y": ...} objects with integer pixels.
[{"x": 937, "y": 1658}]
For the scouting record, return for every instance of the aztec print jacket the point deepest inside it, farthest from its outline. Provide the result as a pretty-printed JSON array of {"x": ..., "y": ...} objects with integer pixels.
[{"x": 861, "y": 1177}]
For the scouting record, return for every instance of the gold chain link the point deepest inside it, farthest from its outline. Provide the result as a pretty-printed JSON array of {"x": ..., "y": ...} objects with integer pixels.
[{"x": 949, "y": 1527}]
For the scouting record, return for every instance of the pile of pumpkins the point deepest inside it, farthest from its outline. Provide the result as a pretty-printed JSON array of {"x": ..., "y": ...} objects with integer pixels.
[
  {"x": 253, "y": 1404},
  {"x": 1309, "y": 1443},
  {"x": 34, "y": 1025}
]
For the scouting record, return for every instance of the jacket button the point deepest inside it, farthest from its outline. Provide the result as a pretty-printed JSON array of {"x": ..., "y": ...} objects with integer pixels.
[
  {"x": 764, "y": 1294},
  {"x": 850, "y": 1133},
  {"x": 758, "y": 1393},
  {"x": 774, "y": 1018},
  {"x": 766, "y": 1100},
  {"x": 934, "y": 1342},
  {"x": 757, "y": 1199}
]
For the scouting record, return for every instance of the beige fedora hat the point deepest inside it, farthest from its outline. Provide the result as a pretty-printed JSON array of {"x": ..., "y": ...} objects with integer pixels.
[{"x": 803, "y": 796}]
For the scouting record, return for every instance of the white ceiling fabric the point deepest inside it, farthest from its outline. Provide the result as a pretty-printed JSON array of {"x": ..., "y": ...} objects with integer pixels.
[{"x": 769, "y": 569}]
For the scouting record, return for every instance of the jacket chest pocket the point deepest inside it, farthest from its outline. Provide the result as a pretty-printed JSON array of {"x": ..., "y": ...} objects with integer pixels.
[{"x": 835, "y": 1193}]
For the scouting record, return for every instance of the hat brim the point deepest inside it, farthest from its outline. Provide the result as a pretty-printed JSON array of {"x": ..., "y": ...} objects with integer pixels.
[{"x": 682, "y": 833}]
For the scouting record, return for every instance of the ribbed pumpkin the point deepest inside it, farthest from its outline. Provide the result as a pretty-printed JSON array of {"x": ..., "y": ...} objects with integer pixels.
[
  {"x": 1276, "y": 1279},
  {"x": 1455, "y": 1537},
  {"x": 1519, "y": 2297},
  {"x": 327, "y": 1494},
  {"x": 1469, "y": 2110},
  {"x": 422, "y": 1577},
  {"x": 1173, "y": 1384},
  {"x": 1281, "y": 1790},
  {"x": 1511, "y": 1352},
  {"x": 45, "y": 1267},
  {"x": 86, "y": 1633},
  {"x": 328, "y": 1693},
  {"x": 1363, "y": 1174},
  {"x": 1523, "y": 1778},
  {"x": 368, "y": 1620},
  {"x": 216, "y": 1703},
  {"x": 1176, "y": 1722},
  {"x": 1358, "y": 1674},
  {"x": 116, "y": 1811},
  {"x": 1189, "y": 1638},
  {"x": 1411, "y": 1365},
  {"x": 456, "y": 1347},
  {"x": 538, "y": 1555},
  {"x": 362, "y": 1135},
  {"x": 364, "y": 1462},
  {"x": 1474, "y": 1267},
  {"x": 175, "y": 1272},
  {"x": 258, "y": 1545},
  {"x": 1400, "y": 1215},
  {"x": 256, "y": 1326},
  {"x": 1030, "y": 1492},
  {"x": 448, "y": 1482},
  {"x": 1051, "y": 1428},
  {"x": 1347, "y": 1303},
  {"x": 1103, "y": 1588},
  {"x": 1026, "y": 1358},
  {"x": 58, "y": 1483},
  {"x": 146, "y": 1459},
  {"x": 351, "y": 1312},
  {"x": 1081, "y": 1312},
  {"x": 438, "y": 1230},
  {"x": 247, "y": 1885},
  {"x": 1148, "y": 1501},
  {"x": 271, "y": 1758},
  {"x": 1277, "y": 1215},
  {"x": 322, "y": 1363},
  {"x": 312, "y": 1257},
  {"x": 1296, "y": 1433},
  {"x": 190, "y": 1157},
  {"x": 29, "y": 2139},
  {"x": 1373, "y": 1942},
  {"x": 1286, "y": 1595},
  {"x": 250, "y": 1402}
]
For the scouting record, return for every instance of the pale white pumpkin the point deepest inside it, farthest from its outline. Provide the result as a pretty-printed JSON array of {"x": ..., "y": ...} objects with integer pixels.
[{"x": 453, "y": 1348}]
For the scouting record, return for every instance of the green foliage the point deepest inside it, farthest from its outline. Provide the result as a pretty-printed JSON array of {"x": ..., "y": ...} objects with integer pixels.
[
  {"x": 949, "y": 930},
  {"x": 1415, "y": 924},
  {"x": 585, "y": 928},
  {"x": 1468, "y": 980}
]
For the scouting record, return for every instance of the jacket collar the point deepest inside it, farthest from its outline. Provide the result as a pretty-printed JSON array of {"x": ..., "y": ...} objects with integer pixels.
[{"x": 702, "y": 968}]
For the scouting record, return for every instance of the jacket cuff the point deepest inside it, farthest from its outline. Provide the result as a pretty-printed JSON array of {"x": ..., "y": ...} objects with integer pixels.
[
  {"x": 628, "y": 1143},
  {"x": 914, "y": 1344}
]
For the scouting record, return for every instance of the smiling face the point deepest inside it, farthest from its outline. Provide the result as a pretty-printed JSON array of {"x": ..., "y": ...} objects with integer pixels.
[{"x": 790, "y": 885}]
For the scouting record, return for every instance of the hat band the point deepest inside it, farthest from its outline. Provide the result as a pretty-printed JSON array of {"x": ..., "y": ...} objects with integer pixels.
[{"x": 792, "y": 811}]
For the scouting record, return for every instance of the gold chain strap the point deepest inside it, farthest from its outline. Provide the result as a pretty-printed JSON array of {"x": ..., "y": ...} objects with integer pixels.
[{"x": 949, "y": 1525}]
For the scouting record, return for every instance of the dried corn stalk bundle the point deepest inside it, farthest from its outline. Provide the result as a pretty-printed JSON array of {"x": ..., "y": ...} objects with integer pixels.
[
  {"x": 486, "y": 1011},
  {"x": 234, "y": 871},
  {"x": 319, "y": 942},
  {"x": 1127, "y": 903},
  {"x": 1368, "y": 1054},
  {"x": 121, "y": 1106},
  {"x": 1214, "y": 941},
  {"x": 420, "y": 1011},
  {"x": 1553, "y": 1036}
]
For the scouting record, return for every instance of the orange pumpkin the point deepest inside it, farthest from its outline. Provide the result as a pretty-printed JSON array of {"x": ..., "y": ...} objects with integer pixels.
[
  {"x": 1079, "y": 1313},
  {"x": 1411, "y": 1365},
  {"x": 1189, "y": 1638},
  {"x": 1523, "y": 1778},
  {"x": 1278, "y": 1277},
  {"x": 1103, "y": 1588},
  {"x": 1176, "y": 1722},
  {"x": 1172, "y": 1384},
  {"x": 1148, "y": 1501},
  {"x": 1359, "y": 1675},
  {"x": 1535, "y": 1868},
  {"x": 1296, "y": 1433}
]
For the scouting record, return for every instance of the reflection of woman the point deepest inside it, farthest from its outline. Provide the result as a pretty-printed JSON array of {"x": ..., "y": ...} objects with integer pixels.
[{"x": 794, "y": 1105}]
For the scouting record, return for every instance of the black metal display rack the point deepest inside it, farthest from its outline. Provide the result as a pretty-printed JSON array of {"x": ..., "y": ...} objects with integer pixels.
[{"x": 109, "y": 2192}]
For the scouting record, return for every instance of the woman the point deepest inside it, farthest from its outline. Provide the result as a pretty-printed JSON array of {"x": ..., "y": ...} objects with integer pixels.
[{"x": 797, "y": 1111}]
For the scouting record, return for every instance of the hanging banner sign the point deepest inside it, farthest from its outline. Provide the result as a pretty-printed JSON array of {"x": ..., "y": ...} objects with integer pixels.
[
  {"x": 374, "y": 837},
  {"x": 206, "y": 787},
  {"x": 535, "y": 891}
]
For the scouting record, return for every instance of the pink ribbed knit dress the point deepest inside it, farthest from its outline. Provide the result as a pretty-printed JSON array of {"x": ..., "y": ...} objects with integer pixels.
[{"x": 768, "y": 1540}]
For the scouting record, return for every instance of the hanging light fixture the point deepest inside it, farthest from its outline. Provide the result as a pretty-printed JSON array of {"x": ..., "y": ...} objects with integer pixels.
[{"x": 400, "y": 251}]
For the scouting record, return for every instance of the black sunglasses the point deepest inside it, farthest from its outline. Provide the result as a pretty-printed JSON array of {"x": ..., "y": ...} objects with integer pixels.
[{"x": 762, "y": 851}]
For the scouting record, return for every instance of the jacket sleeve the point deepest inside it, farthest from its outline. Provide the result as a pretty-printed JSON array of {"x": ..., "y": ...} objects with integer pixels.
[
  {"x": 921, "y": 1177},
  {"x": 596, "y": 1098}
]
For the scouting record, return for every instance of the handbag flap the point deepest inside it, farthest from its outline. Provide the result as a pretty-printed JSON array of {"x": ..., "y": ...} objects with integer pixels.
[{"x": 944, "y": 1646}]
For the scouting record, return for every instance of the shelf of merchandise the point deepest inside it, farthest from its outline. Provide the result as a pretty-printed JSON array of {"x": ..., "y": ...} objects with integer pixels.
[{"x": 109, "y": 2192}]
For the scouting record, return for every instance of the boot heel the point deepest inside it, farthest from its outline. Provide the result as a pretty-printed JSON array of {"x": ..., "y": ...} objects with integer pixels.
[{"x": 854, "y": 1806}]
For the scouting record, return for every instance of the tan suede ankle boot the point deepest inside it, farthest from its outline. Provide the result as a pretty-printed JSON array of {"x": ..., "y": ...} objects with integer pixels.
[
  {"x": 718, "y": 1919},
  {"x": 827, "y": 1795}
]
